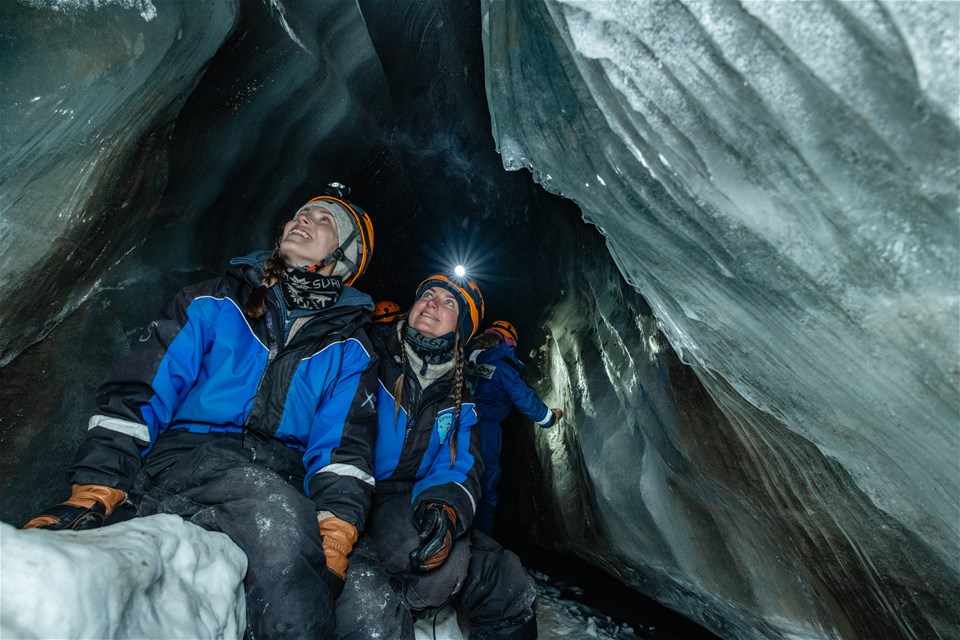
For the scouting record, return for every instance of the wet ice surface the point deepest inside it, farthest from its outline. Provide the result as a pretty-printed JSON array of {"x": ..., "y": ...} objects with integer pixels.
[
  {"x": 779, "y": 182},
  {"x": 560, "y": 614}
]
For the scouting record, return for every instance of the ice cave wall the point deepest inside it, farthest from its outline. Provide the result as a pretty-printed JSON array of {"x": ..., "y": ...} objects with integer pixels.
[
  {"x": 778, "y": 181},
  {"x": 89, "y": 97}
]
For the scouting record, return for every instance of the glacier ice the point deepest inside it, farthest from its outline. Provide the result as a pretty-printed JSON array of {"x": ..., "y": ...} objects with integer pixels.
[
  {"x": 780, "y": 182},
  {"x": 758, "y": 353}
]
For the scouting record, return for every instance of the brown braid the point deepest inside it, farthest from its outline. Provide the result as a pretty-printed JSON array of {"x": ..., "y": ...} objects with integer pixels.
[
  {"x": 458, "y": 367},
  {"x": 457, "y": 394},
  {"x": 398, "y": 385},
  {"x": 273, "y": 270}
]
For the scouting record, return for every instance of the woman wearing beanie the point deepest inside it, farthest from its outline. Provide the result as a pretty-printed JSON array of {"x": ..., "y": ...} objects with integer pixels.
[
  {"x": 418, "y": 552},
  {"x": 246, "y": 407}
]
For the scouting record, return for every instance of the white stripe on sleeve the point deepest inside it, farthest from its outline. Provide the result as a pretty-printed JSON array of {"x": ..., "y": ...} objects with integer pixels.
[{"x": 135, "y": 429}]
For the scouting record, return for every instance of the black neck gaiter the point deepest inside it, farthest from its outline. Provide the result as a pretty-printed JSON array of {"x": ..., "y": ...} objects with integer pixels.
[
  {"x": 310, "y": 290},
  {"x": 430, "y": 350}
]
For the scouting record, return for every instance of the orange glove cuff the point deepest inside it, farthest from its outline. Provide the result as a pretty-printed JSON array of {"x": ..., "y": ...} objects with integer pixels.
[
  {"x": 451, "y": 513},
  {"x": 41, "y": 521},
  {"x": 86, "y": 495}
]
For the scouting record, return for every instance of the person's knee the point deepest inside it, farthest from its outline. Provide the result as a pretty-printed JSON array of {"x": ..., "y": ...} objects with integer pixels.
[
  {"x": 366, "y": 611},
  {"x": 369, "y": 608},
  {"x": 434, "y": 589},
  {"x": 277, "y": 534},
  {"x": 499, "y": 594}
]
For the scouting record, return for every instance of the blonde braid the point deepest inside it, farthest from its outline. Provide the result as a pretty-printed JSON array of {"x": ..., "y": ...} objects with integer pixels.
[
  {"x": 457, "y": 395},
  {"x": 256, "y": 304}
]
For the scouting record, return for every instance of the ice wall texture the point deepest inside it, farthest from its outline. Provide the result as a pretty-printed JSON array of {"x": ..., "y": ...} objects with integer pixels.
[
  {"x": 90, "y": 93},
  {"x": 227, "y": 109},
  {"x": 780, "y": 182}
]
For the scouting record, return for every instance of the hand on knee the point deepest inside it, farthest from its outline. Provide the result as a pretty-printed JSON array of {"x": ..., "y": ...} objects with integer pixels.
[{"x": 436, "y": 523}]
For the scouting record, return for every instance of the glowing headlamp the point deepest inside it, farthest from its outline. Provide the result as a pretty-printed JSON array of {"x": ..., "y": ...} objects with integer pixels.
[{"x": 460, "y": 270}]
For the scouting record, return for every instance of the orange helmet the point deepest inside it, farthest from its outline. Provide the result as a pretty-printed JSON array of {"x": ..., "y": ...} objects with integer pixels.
[
  {"x": 356, "y": 247},
  {"x": 386, "y": 311},
  {"x": 468, "y": 296},
  {"x": 505, "y": 330}
]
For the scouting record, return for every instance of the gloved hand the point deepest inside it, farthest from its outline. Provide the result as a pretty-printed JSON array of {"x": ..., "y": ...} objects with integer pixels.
[
  {"x": 339, "y": 536},
  {"x": 557, "y": 414},
  {"x": 87, "y": 508},
  {"x": 436, "y": 523}
]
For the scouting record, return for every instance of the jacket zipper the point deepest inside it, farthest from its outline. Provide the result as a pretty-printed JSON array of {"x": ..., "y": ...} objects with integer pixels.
[{"x": 272, "y": 351}]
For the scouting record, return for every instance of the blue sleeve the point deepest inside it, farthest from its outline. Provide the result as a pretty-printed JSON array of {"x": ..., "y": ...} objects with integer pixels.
[
  {"x": 459, "y": 485},
  {"x": 524, "y": 398},
  {"x": 142, "y": 392}
]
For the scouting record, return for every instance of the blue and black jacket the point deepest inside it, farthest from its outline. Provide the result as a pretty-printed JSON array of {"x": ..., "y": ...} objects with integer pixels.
[
  {"x": 414, "y": 447},
  {"x": 495, "y": 377},
  {"x": 305, "y": 378}
]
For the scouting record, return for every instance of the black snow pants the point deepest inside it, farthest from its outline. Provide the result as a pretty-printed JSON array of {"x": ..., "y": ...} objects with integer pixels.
[
  {"x": 252, "y": 491},
  {"x": 383, "y": 595}
]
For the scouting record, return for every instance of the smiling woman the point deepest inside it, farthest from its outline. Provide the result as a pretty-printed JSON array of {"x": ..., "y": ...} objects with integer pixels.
[
  {"x": 419, "y": 551},
  {"x": 311, "y": 236},
  {"x": 435, "y": 313},
  {"x": 288, "y": 445}
]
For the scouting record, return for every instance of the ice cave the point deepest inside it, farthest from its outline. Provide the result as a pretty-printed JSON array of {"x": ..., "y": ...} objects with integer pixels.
[{"x": 727, "y": 231}]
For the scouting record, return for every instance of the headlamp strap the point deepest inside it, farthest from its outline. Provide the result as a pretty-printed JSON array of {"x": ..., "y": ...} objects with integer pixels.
[{"x": 338, "y": 255}]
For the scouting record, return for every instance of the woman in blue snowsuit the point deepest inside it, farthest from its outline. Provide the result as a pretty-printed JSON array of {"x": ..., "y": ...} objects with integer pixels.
[
  {"x": 495, "y": 375},
  {"x": 247, "y": 408},
  {"x": 417, "y": 553}
]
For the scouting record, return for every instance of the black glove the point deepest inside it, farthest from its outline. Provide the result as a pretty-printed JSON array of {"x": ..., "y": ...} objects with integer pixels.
[
  {"x": 87, "y": 508},
  {"x": 436, "y": 523}
]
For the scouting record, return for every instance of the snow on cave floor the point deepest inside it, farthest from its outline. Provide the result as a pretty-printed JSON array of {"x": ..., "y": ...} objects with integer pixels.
[{"x": 162, "y": 577}]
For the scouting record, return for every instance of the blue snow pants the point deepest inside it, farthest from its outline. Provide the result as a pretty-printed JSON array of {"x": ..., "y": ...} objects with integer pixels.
[{"x": 491, "y": 443}]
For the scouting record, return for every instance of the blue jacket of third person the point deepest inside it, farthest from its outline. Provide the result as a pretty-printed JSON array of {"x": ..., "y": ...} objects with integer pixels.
[{"x": 495, "y": 377}]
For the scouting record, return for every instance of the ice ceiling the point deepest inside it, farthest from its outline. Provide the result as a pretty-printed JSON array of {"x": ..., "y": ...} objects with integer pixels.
[{"x": 759, "y": 353}]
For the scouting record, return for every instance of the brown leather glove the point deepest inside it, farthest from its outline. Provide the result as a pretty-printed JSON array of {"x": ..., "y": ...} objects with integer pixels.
[
  {"x": 87, "y": 508},
  {"x": 436, "y": 523},
  {"x": 557, "y": 414},
  {"x": 339, "y": 536}
]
